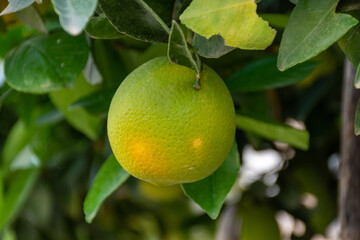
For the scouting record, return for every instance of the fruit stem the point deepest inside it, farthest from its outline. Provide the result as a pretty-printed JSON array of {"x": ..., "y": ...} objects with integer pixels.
[{"x": 197, "y": 82}]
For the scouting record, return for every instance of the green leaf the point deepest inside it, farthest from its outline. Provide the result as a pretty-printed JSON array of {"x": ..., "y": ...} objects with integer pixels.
[
  {"x": 17, "y": 194},
  {"x": 264, "y": 74},
  {"x": 272, "y": 130},
  {"x": 96, "y": 103},
  {"x": 74, "y": 14},
  {"x": 20, "y": 135},
  {"x": 31, "y": 17},
  {"x": 16, "y": 5},
  {"x": 357, "y": 77},
  {"x": 231, "y": 19},
  {"x": 351, "y": 47},
  {"x": 357, "y": 119},
  {"x": 163, "y": 8},
  {"x": 109, "y": 63},
  {"x": 136, "y": 19},
  {"x": 100, "y": 28},
  {"x": 46, "y": 62},
  {"x": 214, "y": 47},
  {"x": 110, "y": 176},
  {"x": 79, "y": 118},
  {"x": 210, "y": 193},
  {"x": 178, "y": 51},
  {"x": 313, "y": 26},
  {"x": 51, "y": 117},
  {"x": 259, "y": 223}
]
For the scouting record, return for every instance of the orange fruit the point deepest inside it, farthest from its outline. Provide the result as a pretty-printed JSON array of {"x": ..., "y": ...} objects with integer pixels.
[{"x": 164, "y": 131}]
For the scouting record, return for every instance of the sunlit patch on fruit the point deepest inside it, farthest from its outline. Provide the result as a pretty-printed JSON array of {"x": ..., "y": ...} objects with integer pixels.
[{"x": 197, "y": 143}]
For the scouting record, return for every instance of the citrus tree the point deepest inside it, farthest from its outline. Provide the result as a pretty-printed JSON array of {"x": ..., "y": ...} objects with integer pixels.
[{"x": 110, "y": 99}]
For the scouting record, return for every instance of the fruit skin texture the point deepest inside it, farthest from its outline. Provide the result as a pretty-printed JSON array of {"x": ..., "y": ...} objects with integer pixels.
[{"x": 164, "y": 131}]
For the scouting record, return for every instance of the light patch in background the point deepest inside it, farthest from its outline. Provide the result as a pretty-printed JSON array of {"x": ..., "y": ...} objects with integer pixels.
[
  {"x": 334, "y": 164},
  {"x": 2, "y": 73},
  {"x": 256, "y": 164},
  {"x": 332, "y": 232},
  {"x": 309, "y": 200},
  {"x": 91, "y": 72},
  {"x": 273, "y": 191},
  {"x": 289, "y": 226}
]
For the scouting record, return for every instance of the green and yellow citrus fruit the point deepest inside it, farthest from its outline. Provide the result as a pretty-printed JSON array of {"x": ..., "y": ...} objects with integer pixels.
[{"x": 164, "y": 131}]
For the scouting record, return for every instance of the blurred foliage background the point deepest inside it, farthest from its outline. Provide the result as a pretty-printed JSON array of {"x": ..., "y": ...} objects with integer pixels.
[{"x": 281, "y": 192}]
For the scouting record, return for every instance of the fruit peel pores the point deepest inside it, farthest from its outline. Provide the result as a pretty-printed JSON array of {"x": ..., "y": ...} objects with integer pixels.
[{"x": 164, "y": 131}]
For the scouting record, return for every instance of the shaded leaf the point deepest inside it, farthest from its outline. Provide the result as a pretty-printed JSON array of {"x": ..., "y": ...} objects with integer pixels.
[
  {"x": 136, "y": 19},
  {"x": 20, "y": 135},
  {"x": 264, "y": 74},
  {"x": 272, "y": 130},
  {"x": 52, "y": 117},
  {"x": 230, "y": 19},
  {"x": 47, "y": 62},
  {"x": 357, "y": 119},
  {"x": 16, "y": 5},
  {"x": 109, "y": 63},
  {"x": 79, "y": 118},
  {"x": 178, "y": 51},
  {"x": 17, "y": 194},
  {"x": 351, "y": 47},
  {"x": 100, "y": 28},
  {"x": 74, "y": 14},
  {"x": 214, "y": 47},
  {"x": 97, "y": 102},
  {"x": 163, "y": 8},
  {"x": 32, "y": 18},
  {"x": 210, "y": 193},
  {"x": 320, "y": 27},
  {"x": 110, "y": 176}
]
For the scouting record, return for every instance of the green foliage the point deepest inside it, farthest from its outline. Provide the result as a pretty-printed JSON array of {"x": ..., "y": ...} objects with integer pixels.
[
  {"x": 230, "y": 19},
  {"x": 79, "y": 118},
  {"x": 271, "y": 129},
  {"x": 214, "y": 47},
  {"x": 135, "y": 19},
  {"x": 17, "y": 194},
  {"x": 349, "y": 44},
  {"x": 16, "y": 5},
  {"x": 74, "y": 14},
  {"x": 210, "y": 192},
  {"x": 31, "y": 17},
  {"x": 320, "y": 27},
  {"x": 109, "y": 178},
  {"x": 178, "y": 51},
  {"x": 100, "y": 28},
  {"x": 263, "y": 74},
  {"x": 51, "y": 61}
]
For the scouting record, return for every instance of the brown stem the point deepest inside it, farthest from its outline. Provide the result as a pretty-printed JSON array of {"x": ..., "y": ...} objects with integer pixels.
[{"x": 350, "y": 160}]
